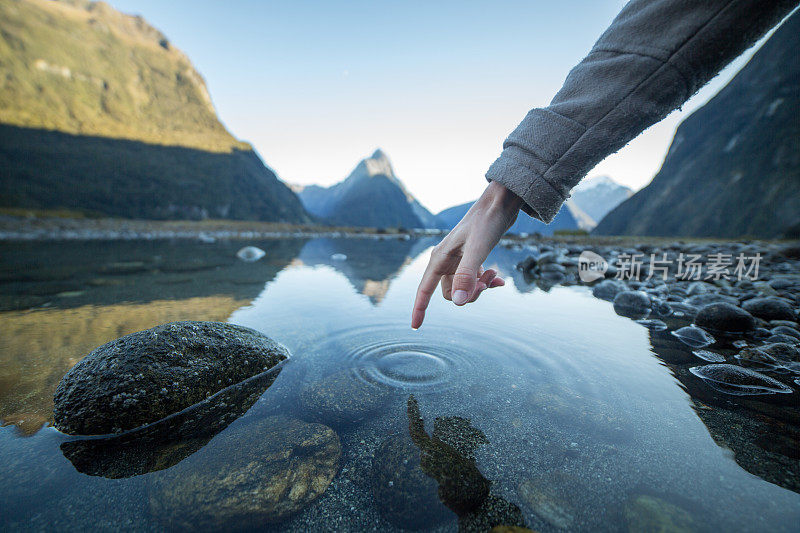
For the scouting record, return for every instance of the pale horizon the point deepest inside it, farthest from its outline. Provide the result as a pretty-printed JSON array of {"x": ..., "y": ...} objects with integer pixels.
[{"x": 437, "y": 88}]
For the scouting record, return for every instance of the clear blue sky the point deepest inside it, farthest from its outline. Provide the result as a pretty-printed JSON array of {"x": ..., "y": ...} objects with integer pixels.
[{"x": 316, "y": 86}]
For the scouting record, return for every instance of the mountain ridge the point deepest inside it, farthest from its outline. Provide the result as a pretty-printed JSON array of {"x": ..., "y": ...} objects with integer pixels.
[
  {"x": 95, "y": 104},
  {"x": 733, "y": 168},
  {"x": 371, "y": 195},
  {"x": 598, "y": 195}
]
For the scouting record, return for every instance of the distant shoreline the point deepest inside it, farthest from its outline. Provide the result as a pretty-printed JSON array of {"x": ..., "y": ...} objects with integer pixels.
[
  {"x": 16, "y": 228},
  {"x": 43, "y": 228}
]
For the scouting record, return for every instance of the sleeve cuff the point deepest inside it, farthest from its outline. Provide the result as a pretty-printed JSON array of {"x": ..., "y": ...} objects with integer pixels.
[{"x": 541, "y": 199}]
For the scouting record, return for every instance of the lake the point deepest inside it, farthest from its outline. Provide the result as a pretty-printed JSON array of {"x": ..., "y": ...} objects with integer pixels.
[{"x": 537, "y": 406}]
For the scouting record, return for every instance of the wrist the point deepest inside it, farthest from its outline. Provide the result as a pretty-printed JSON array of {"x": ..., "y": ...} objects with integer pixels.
[{"x": 502, "y": 198}]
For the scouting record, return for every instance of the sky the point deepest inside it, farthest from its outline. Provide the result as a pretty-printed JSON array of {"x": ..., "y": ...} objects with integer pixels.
[{"x": 317, "y": 86}]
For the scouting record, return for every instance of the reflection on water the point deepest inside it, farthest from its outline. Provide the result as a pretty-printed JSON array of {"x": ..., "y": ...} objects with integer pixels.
[{"x": 534, "y": 407}]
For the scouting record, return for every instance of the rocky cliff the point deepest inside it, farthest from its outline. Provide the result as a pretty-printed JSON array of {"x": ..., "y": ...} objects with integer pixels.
[{"x": 733, "y": 168}]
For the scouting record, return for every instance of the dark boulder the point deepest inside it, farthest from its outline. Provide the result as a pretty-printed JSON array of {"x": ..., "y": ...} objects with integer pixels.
[
  {"x": 608, "y": 289},
  {"x": 699, "y": 300},
  {"x": 724, "y": 317},
  {"x": 769, "y": 308},
  {"x": 145, "y": 376},
  {"x": 632, "y": 304}
]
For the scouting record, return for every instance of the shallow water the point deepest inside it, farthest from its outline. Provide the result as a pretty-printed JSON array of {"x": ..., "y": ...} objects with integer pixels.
[{"x": 577, "y": 418}]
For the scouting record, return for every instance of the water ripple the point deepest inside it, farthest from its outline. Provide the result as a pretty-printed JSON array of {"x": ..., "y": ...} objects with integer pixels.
[{"x": 437, "y": 359}]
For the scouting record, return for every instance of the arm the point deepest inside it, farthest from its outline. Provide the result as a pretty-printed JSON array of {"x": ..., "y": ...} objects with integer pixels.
[{"x": 655, "y": 55}]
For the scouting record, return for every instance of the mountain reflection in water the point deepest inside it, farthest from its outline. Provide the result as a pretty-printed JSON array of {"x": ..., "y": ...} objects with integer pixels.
[{"x": 556, "y": 400}]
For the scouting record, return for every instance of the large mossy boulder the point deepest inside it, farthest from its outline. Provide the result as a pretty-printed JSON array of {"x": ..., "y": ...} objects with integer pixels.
[{"x": 145, "y": 376}]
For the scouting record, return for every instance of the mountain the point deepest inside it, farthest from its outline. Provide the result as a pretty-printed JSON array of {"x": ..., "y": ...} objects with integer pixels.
[
  {"x": 733, "y": 168},
  {"x": 370, "y": 196},
  {"x": 100, "y": 113},
  {"x": 569, "y": 217},
  {"x": 598, "y": 195}
]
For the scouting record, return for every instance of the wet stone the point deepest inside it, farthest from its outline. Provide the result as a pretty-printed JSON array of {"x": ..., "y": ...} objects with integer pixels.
[
  {"x": 782, "y": 351},
  {"x": 769, "y": 308},
  {"x": 143, "y": 377},
  {"x": 693, "y": 336},
  {"x": 711, "y": 357},
  {"x": 682, "y": 309},
  {"x": 724, "y": 317},
  {"x": 257, "y": 474},
  {"x": 786, "y": 330},
  {"x": 785, "y": 339},
  {"x": 632, "y": 304},
  {"x": 653, "y": 324},
  {"x": 250, "y": 254},
  {"x": 700, "y": 300},
  {"x": 738, "y": 381},
  {"x": 608, "y": 289}
]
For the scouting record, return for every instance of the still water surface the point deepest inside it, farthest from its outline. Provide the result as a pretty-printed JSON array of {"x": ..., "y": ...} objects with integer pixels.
[{"x": 577, "y": 419}]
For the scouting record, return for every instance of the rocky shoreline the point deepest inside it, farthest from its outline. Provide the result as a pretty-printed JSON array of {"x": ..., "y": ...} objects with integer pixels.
[{"x": 34, "y": 228}]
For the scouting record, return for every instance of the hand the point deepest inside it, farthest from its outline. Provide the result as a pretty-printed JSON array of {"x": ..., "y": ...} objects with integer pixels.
[{"x": 457, "y": 260}]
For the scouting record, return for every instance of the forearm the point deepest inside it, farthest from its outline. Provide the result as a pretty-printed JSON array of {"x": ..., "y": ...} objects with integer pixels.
[{"x": 654, "y": 56}]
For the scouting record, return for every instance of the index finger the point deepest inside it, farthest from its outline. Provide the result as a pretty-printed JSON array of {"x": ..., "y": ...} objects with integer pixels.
[{"x": 430, "y": 279}]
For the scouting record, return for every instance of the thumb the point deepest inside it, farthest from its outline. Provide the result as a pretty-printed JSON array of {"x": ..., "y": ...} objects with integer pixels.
[{"x": 465, "y": 280}]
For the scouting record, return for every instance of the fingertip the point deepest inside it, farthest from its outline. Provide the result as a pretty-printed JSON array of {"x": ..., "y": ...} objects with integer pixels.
[
  {"x": 497, "y": 282},
  {"x": 416, "y": 319}
]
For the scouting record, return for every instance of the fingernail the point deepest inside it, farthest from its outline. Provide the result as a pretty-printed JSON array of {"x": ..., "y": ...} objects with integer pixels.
[{"x": 460, "y": 297}]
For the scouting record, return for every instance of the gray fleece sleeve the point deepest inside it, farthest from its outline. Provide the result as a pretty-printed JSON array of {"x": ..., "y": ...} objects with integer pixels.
[{"x": 653, "y": 57}]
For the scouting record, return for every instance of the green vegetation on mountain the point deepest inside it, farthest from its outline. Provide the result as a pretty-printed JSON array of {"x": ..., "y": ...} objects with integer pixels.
[
  {"x": 733, "y": 167},
  {"x": 101, "y": 113}
]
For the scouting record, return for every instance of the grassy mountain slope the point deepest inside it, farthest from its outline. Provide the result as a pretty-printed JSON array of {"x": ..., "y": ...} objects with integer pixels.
[
  {"x": 733, "y": 168},
  {"x": 132, "y": 115}
]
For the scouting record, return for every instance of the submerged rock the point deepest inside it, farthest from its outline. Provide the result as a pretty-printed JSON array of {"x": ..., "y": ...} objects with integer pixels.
[
  {"x": 725, "y": 317},
  {"x": 653, "y": 324},
  {"x": 680, "y": 309},
  {"x": 558, "y": 514},
  {"x": 732, "y": 379},
  {"x": 648, "y": 514},
  {"x": 341, "y": 398},
  {"x": 259, "y": 473},
  {"x": 711, "y": 357},
  {"x": 693, "y": 336},
  {"x": 784, "y": 339},
  {"x": 786, "y": 330},
  {"x": 143, "y": 377},
  {"x": 783, "y": 351},
  {"x": 769, "y": 308}
]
